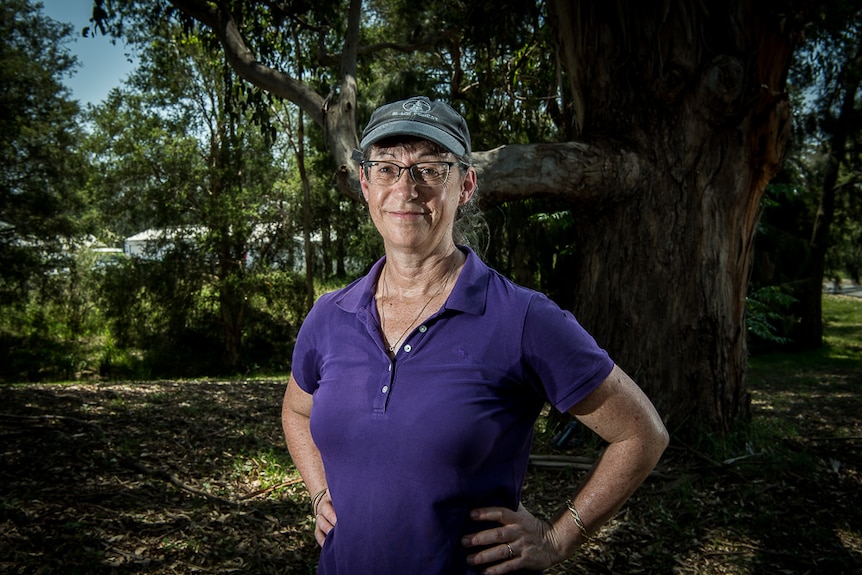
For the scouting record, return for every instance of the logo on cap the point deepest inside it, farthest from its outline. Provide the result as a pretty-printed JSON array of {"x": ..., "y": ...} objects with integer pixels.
[{"x": 420, "y": 107}]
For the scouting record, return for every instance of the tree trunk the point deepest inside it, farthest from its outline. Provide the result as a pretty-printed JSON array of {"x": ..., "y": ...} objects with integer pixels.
[
  {"x": 232, "y": 307},
  {"x": 308, "y": 249},
  {"x": 662, "y": 269}
]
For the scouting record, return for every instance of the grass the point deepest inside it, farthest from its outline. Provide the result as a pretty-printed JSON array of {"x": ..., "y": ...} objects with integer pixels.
[{"x": 193, "y": 477}]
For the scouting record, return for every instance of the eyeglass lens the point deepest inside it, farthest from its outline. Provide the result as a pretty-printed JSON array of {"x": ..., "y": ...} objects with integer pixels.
[{"x": 425, "y": 173}]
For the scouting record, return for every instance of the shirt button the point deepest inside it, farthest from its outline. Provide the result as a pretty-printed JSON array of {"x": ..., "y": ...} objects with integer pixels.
[
  {"x": 423, "y": 328},
  {"x": 385, "y": 388},
  {"x": 407, "y": 348}
]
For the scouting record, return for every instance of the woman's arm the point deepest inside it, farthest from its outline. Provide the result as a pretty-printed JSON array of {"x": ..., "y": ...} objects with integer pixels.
[
  {"x": 622, "y": 415},
  {"x": 295, "y": 417}
]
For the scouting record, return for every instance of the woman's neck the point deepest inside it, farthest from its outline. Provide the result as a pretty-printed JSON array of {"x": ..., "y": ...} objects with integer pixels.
[{"x": 409, "y": 277}]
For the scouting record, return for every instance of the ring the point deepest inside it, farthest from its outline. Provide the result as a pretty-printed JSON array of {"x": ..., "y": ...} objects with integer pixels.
[{"x": 511, "y": 553}]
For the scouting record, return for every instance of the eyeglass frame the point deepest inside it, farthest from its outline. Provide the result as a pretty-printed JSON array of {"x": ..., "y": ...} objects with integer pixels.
[
  {"x": 360, "y": 158},
  {"x": 365, "y": 164}
]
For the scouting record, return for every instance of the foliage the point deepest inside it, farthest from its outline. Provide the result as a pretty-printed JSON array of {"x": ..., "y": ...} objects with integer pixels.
[
  {"x": 809, "y": 233},
  {"x": 48, "y": 322},
  {"x": 40, "y": 167},
  {"x": 768, "y": 316},
  {"x": 58, "y": 333},
  {"x": 182, "y": 154},
  {"x": 844, "y": 258}
]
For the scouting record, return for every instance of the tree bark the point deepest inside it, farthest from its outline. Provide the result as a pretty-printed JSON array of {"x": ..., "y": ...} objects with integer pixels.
[{"x": 696, "y": 94}]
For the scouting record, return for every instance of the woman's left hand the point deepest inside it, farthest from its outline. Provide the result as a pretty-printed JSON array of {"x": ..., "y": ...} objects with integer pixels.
[{"x": 522, "y": 541}]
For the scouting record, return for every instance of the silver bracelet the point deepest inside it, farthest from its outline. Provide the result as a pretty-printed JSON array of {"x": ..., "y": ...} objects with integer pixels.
[
  {"x": 576, "y": 517},
  {"x": 318, "y": 497}
]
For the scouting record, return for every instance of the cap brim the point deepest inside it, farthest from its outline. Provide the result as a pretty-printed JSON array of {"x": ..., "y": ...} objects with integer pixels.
[{"x": 413, "y": 128}]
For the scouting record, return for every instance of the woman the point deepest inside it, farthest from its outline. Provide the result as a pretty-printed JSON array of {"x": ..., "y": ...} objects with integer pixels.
[{"x": 415, "y": 389}]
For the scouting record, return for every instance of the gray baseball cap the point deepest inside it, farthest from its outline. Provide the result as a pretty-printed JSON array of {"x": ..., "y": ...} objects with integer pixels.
[{"x": 421, "y": 117}]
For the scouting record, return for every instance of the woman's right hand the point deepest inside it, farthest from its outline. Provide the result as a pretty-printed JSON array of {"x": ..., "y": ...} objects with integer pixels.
[{"x": 325, "y": 519}]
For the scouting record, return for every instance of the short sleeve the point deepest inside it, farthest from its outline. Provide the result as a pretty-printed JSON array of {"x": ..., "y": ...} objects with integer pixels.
[
  {"x": 565, "y": 358},
  {"x": 306, "y": 359}
]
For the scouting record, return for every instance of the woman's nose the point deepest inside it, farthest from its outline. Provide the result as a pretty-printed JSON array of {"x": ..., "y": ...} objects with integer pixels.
[{"x": 406, "y": 187}]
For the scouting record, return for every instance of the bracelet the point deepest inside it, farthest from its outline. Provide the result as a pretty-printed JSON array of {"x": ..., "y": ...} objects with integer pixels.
[
  {"x": 318, "y": 497},
  {"x": 576, "y": 517}
]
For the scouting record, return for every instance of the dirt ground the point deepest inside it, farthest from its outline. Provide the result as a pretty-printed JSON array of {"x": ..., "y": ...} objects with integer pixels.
[{"x": 192, "y": 477}]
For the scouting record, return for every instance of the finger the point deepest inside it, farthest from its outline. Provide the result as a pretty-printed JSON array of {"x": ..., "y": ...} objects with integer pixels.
[
  {"x": 328, "y": 513},
  {"x": 500, "y": 555},
  {"x": 323, "y": 524},
  {"x": 319, "y": 536},
  {"x": 497, "y": 535},
  {"x": 495, "y": 514}
]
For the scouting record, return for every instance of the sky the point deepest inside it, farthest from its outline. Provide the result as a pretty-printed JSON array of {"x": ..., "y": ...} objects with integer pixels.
[{"x": 101, "y": 65}]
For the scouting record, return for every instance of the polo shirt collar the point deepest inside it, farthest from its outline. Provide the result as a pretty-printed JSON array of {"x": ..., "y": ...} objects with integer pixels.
[{"x": 469, "y": 295}]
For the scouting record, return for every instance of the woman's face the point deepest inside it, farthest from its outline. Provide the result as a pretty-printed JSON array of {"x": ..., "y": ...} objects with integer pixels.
[{"x": 412, "y": 216}]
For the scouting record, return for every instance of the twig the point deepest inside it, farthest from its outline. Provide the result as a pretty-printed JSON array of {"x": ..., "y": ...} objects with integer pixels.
[
  {"x": 562, "y": 461},
  {"x": 572, "y": 462},
  {"x": 712, "y": 462},
  {"x": 176, "y": 481},
  {"x": 293, "y": 481}
]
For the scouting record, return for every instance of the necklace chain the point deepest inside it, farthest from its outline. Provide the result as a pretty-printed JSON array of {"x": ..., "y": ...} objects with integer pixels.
[{"x": 394, "y": 346}]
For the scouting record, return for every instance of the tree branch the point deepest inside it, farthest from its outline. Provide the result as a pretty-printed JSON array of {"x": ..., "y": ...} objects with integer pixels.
[
  {"x": 570, "y": 171},
  {"x": 241, "y": 58},
  {"x": 426, "y": 43}
]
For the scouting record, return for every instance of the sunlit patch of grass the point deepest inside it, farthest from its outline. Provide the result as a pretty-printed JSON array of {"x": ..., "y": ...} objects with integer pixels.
[
  {"x": 842, "y": 320},
  {"x": 267, "y": 471},
  {"x": 842, "y": 347}
]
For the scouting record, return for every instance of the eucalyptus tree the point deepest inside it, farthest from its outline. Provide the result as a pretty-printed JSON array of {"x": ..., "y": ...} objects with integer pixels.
[
  {"x": 41, "y": 175},
  {"x": 43, "y": 207},
  {"x": 827, "y": 75},
  {"x": 669, "y": 120},
  {"x": 179, "y": 152}
]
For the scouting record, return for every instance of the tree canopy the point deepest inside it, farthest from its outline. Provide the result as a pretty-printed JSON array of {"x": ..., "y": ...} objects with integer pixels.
[{"x": 41, "y": 171}]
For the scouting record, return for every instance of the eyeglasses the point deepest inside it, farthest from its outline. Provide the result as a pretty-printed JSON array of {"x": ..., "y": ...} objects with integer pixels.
[{"x": 423, "y": 173}]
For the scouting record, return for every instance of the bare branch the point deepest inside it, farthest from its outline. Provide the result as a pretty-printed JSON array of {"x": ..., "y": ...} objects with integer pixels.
[{"x": 570, "y": 171}]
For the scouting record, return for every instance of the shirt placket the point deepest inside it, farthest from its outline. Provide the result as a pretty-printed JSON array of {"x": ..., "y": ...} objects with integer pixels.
[{"x": 384, "y": 394}]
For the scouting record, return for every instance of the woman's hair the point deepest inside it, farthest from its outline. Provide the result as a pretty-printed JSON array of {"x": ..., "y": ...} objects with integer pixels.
[
  {"x": 470, "y": 228},
  {"x": 411, "y": 143}
]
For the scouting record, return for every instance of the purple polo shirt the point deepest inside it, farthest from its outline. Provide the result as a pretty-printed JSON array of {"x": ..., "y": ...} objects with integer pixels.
[{"x": 410, "y": 445}]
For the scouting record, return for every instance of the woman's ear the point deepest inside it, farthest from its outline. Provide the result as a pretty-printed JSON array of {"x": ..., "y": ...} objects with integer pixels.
[{"x": 468, "y": 186}]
